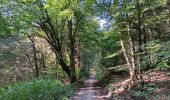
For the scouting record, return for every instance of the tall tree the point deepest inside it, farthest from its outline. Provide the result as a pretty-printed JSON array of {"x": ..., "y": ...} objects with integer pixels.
[{"x": 60, "y": 21}]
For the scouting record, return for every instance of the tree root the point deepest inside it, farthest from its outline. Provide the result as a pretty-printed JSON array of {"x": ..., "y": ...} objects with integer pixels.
[{"x": 123, "y": 86}]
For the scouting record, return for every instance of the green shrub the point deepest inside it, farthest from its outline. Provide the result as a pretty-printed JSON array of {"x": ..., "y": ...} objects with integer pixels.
[
  {"x": 37, "y": 89},
  {"x": 149, "y": 88}
]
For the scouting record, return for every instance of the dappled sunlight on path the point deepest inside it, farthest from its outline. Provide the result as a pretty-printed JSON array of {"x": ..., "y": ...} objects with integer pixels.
[{"x": 89, "y": 91}]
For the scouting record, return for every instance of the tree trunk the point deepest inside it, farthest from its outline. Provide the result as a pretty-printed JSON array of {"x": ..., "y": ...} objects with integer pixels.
[
  {"x": 132, "y": 68},
  {"x": 78, "y": 57},
  {"x": 72, "y": 52},
  {"x": 34, "y": 56},
  {"x": 140, "y": 42},
  {"x": 125, "y": 53},
  {"x": 131, "y": 64},
  {"x": 53, "y": 38},
  {"x": 139, "y": 37}
]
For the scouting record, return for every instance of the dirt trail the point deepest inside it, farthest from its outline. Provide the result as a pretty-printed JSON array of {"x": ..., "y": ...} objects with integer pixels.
[{"x": 89, "y": 91}]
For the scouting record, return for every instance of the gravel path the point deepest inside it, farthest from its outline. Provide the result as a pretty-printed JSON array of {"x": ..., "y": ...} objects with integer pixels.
[{"x": 89, "y": 91}]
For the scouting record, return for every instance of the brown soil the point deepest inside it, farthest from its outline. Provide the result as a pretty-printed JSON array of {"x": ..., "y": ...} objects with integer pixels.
[{"x": 89, "y": 91}]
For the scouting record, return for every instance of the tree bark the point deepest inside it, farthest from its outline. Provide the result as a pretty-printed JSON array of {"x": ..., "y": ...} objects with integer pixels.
[
  {"x": 52, "y": 36},
  {"x": 72, "y": 52},
  {"x": 132, "y": 68},
  {"x": 139, "y": 37},
  {"x": 125, "y": 53},
  {"x": 34, "y": 55},
  {"x": 140, "y": 42}
]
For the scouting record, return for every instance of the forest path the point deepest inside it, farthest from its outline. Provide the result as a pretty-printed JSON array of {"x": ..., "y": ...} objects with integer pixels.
[{"x": 89, "y": 91}]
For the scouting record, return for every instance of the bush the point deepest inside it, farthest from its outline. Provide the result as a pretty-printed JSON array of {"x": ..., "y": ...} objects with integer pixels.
[
  {"x": 142, "y": 95},
  {"x": 37, "y": 89}
]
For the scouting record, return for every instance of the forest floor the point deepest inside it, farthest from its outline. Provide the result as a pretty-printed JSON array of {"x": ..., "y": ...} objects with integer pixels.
[
  {"x": 156, "y": 86},
  {"x": 89, "y": 91}
]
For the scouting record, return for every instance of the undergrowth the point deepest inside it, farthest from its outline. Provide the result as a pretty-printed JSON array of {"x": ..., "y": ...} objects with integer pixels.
[
  {"x": 37, "y": 89},
  {"x": 148, "y": 89}
]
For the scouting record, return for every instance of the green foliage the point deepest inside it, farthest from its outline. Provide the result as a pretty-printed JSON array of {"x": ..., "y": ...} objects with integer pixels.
[
  {"x": 59, "y": 9},
  {"x": 3, "y": 26},
  {"x": 149, "y": 88},
  {"x": 83, "y": 74},
  {"x": 160, "y": 53},
  {"x": 100, "y": 49},
  {"x": 153, "y": 16},
  {"x": 77, "y": 71},
  {"x": 37, "y": 89},
  {"x": 99, "y": 73}
]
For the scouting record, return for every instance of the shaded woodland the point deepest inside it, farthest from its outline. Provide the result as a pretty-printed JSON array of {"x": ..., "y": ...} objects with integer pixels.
[{"x": 49, "y": 48}]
